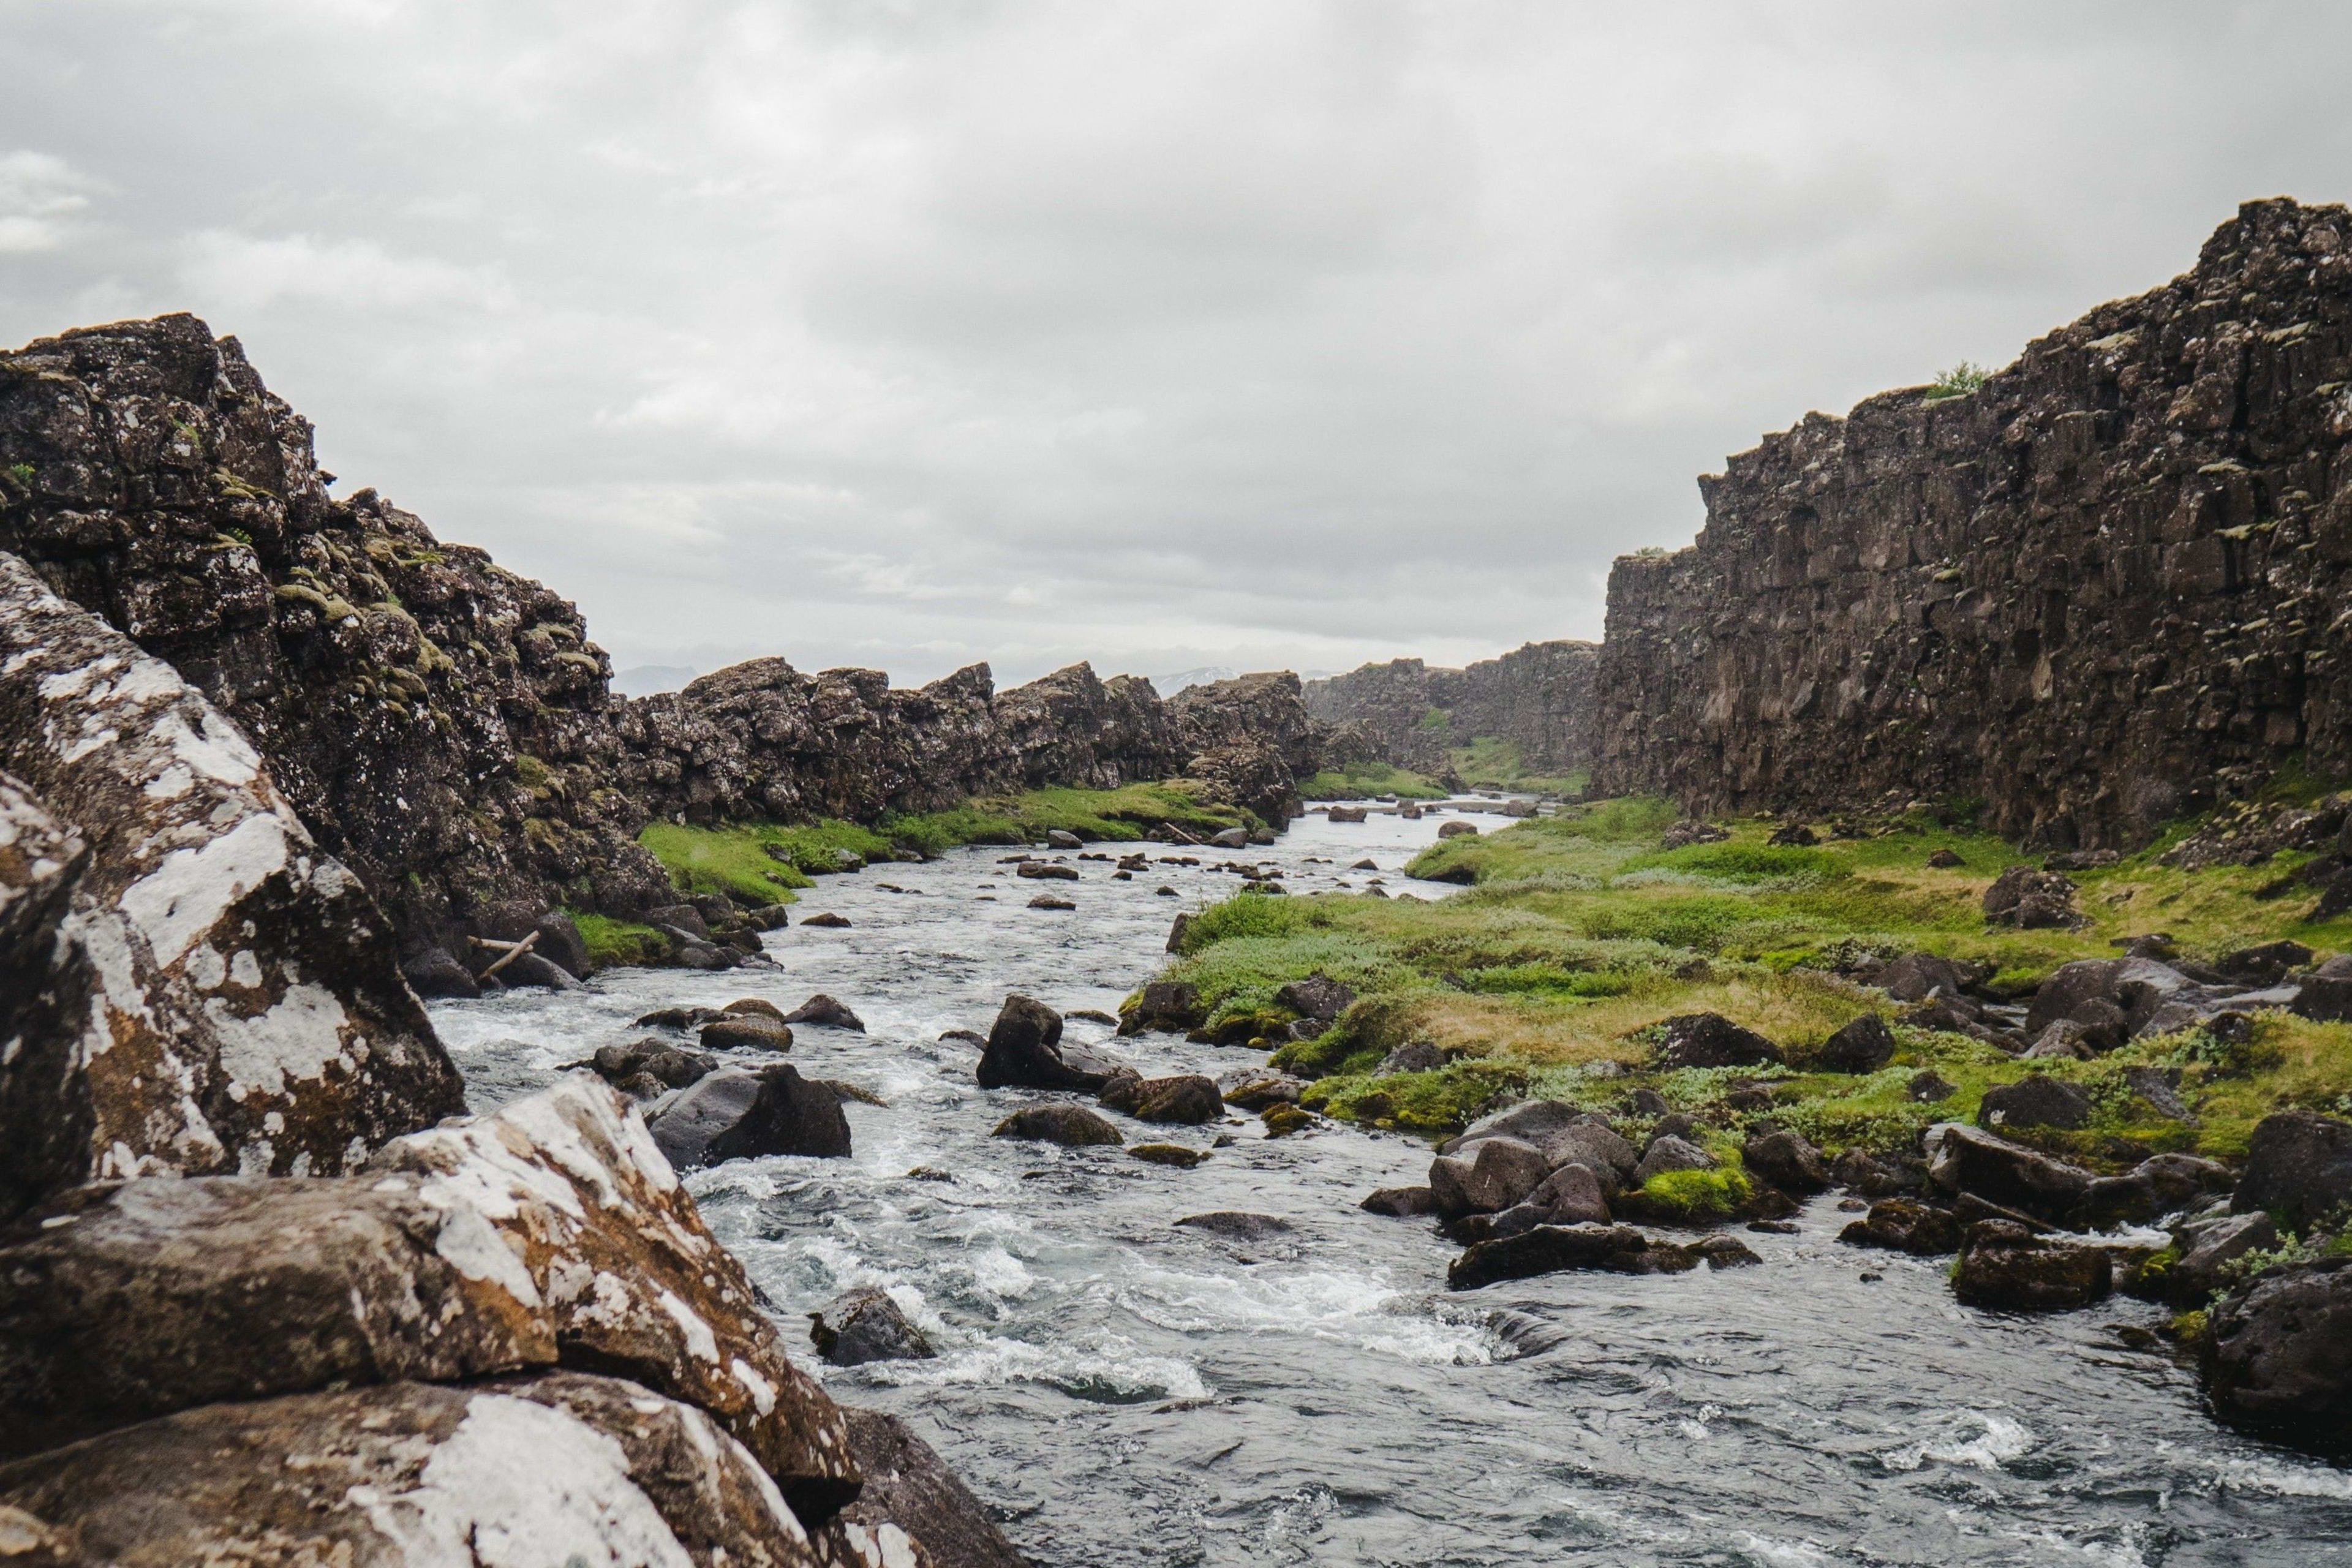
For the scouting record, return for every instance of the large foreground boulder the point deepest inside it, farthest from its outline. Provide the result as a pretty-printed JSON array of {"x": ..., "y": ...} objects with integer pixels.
[
  {"x": 734, "y": 1114},
  {"x": 1024, "y": 1052},
  {"x": 552, "y": 1233},
  {"x": 584, "y": 1471},
  {"x": 2278, "y": 1359},
  {"x": 220, "y": 996}
]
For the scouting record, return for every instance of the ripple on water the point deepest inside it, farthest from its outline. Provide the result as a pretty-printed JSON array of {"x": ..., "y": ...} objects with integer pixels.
[{"x": 1131, "y": 1392}]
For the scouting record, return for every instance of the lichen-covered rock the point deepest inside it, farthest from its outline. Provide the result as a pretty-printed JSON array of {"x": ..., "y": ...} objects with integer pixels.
[
  {"x": 573, "y": 1187},
  {"x": 563, "y": 1468},
  {"x": 2083, "y": 593},
  {"x": 218, "y": 995},
  {"x": 1184, "y": 1097},
  {"x": 865, "y": 1325},
  {"x": 1059, "y": 1122},
  {"x": 1967, "y": 1160},
  {"x": 440, "y": 725}
]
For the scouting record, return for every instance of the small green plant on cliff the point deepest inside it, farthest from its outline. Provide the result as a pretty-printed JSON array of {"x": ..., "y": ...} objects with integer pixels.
[
  {"x": 1957, "y": 382},
  {"x": 612, "y": 942}
]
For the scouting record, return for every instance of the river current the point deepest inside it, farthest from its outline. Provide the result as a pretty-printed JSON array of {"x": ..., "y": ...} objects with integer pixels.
[{"x": 1128, "y": 1391}]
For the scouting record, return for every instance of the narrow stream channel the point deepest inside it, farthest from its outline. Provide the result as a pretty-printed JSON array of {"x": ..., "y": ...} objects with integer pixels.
[{"x": 1132, "y": 1392}]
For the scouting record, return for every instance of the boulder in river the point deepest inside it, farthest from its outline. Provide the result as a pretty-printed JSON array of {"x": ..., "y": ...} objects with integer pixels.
[
  {"x": 827, "y": 921},
  {"x": 1046, "y": 870},
  {"x": 1188, "y": 1098},
  {"x": 1488, "y": 1176},
  {"x": 667, "y": 1065},
  {"x": 745, "y": 1032},
  {"x": 1458, "y": 829},
  {"x": 1711, "y": 1040},
  {"x": 2159, "y": 1185},
  {"x": 2204, "y": 1249},
  {"x": 863, "y": 1325},
  {"x": 1962, "y": 1159},
  {"x": 2006, "y": 1266},
  {"x": 1900, "y": 1225},
  {"x": 2277, "y": 1358},
  {"x": 557, "y": 1467},
  {"x": 739, "y": 1114},
  {"x": 1024, "y": 1051},
  {"x": 2299, "y": 1167},
  {"x": 1401, "y": 1203},
  {"x": 1257, "y": 1089},
  {"x": 1059, "y": 1122},
  {"x": 1552, "y": 1248},
  {"x": 826, "y": 1013},
  {"x": 1171, "y": 1006}
]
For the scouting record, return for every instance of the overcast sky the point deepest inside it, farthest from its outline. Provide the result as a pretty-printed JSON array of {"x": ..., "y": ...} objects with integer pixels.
[{"x": 1262, "y": 334}]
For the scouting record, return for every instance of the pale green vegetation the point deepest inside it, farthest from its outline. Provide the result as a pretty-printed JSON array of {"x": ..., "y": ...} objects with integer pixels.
[
  {"x": 1364, "y": 780},
  {"x": 1581, "y": 930},
  {"x": 1487, "y": 762},
  {"x": 763, "y": 862},
  {"x": 1957, "y": 382}
]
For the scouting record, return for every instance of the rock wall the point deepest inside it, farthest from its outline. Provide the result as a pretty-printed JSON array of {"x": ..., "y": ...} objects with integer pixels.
[
  {"x": 189, "y": 984},
  {"x": 1538, "y": 697},
  {"x": 2098, "y": 592},
  {"x": 760, "y": 741},
  {"x": 439, "y": 724}
]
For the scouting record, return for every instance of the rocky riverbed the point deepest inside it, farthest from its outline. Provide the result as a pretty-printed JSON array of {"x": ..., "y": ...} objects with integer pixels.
[{"x": 1303, "y": 1387}]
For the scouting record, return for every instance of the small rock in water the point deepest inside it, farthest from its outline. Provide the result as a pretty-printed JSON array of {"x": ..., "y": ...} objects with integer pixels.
[
  {"x": 930, "y": 1173},
  {"x": 1164, "y": 892},
  {"x": 1401, "y": 1203},
  {"x": 1061, "y": 1121},
  {"x": 1092, "y": 1016},
  {"x": 1284, "y": 1120},
  {"x": 755, "y": 1007},
  {"x": 674, "y": 1018},
  {"x": 823, "y": 1010},
  {"x": 1048, "y": 901},
  {"x": 746, "y": 1032},
  {"x": 1364, "y": 866},
  {"x": 969, "y": 1036},
  {"x": 1773, "y": 1227},
  {"x": 865, "y": 1325},
  {"x": 1180, "y": 1155},
  {"x": 825, "y": 922},
  {"x": 1238, "y": 1224}
]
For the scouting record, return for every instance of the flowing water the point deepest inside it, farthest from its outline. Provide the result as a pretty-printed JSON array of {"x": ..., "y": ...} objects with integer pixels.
[{"x": 1126, "y": 1390}]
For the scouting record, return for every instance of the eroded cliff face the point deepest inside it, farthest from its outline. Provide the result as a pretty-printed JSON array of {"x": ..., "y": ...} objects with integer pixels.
[
  {"x": 760, "y": 741},
  {"x": 2103, "y": 590},
  {"x": 439, "y": 724},
  {"x": 1538, "y": 697}
]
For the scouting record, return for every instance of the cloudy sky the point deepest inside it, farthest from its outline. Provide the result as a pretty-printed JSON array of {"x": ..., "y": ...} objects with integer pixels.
[{"x": 1270, "y": 333}]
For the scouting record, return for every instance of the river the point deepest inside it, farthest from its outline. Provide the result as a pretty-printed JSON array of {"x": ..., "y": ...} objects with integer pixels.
[{"x": 1128, "y": 1391}]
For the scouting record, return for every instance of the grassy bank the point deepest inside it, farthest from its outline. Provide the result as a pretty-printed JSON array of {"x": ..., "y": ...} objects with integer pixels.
[
  {"x": 1581, "y": 931},
  {"x": 764, "y": 862},
  {"x": 1364, "y": 780},
  {"x": 1487, "y": 762}
]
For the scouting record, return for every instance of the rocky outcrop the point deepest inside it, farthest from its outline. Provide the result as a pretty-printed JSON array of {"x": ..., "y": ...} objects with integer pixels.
[
  {"x": 1251, "y": 740},
  {"x": 1538, "y": 697},
  {"x": 2093, "y": 594},
  {"x": 439, "y": 723},
  {"x": 191, "y": 986}
]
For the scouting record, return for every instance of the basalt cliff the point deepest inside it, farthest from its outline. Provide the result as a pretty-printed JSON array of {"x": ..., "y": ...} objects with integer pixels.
[
  {"x": 1539, "y": 699},
  {"x": 2100, "y": 591},
  {"x": 443, "y": 727}
]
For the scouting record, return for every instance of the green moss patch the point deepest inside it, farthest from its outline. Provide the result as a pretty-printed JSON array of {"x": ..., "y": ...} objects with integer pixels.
[{"x": 619, "y": 944}]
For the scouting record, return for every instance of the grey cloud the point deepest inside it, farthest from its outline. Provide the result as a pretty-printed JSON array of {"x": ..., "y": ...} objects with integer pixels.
[{"x": 1217, "y": 334}]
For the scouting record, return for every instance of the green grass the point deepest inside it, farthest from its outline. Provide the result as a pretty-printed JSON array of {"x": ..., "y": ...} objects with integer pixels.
[
  {"x": 612, "y": 942},
  {"x": 1362, "y": 781},
  {"x": 1488, "y": 762},
  {"x": 762, "y": 862},
  {"x": 1581, "y": 930}
]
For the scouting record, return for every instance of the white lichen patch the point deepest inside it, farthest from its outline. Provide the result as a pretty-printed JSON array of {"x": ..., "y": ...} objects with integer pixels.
[
  {"x": 295, "y": 1041},
  {"x": 519, "y": 1485},
  {"x": 187, "y": 894}
]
